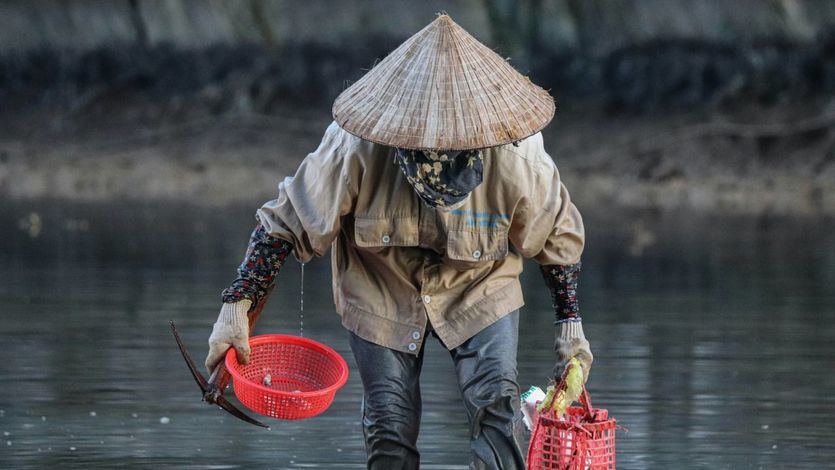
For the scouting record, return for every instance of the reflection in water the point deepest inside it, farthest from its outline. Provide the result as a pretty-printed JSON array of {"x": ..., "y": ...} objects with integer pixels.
[{"x": 712, "y": 342}]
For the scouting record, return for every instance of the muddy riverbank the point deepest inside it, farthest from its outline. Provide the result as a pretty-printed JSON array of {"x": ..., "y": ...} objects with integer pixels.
[{"x": 740, "y": 159}]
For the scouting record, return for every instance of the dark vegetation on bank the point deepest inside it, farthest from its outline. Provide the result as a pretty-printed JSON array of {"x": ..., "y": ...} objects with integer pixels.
[
  {"x": 650, "y": 76},
  {"x": 676, "y": 124}
]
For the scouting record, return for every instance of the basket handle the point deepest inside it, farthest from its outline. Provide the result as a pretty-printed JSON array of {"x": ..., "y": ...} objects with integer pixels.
[{"x": 585, "y": 399}]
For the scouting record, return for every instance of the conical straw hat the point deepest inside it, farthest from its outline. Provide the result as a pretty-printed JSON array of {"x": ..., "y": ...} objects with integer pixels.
[{"x": 443, "y": 90}]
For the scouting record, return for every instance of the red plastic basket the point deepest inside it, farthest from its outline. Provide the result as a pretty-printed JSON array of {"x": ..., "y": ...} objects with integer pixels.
[
  {"x": 584, "y": 439},
  {"x": 288, "y": 377}
]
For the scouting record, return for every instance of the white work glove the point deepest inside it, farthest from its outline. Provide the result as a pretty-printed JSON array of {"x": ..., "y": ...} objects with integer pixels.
[
  {"x": 571, "y": 342},
  {"x": 230, "y": 330}
]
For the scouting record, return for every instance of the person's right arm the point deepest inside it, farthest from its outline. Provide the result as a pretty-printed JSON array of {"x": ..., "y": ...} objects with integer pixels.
[
  {"x": 256, "y": 275},
  {"x": 304, "y": 219}
]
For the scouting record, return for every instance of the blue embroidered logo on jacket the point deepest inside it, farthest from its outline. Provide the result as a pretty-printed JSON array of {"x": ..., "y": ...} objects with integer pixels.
[{"x": 480, "y": 219}]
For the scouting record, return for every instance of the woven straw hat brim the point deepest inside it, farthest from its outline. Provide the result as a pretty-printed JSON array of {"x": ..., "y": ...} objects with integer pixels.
[{"x": 443, "y": 90}]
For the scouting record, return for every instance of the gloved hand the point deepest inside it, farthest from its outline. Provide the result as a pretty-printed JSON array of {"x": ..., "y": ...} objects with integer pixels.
[
  {"x": 571, "y": 342},
  {"x": 230, "y": 330}
]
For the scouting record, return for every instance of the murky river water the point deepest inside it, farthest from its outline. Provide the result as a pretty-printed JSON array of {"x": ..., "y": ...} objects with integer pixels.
[{"x": 714, "y": 343}]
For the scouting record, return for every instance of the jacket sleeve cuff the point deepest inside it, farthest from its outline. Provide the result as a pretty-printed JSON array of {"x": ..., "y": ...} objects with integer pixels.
[{"x": 562, "y": 282}]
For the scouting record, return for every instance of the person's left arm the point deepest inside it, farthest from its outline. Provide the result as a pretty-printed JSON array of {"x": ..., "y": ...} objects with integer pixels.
[{"x": 549, "y": 229}]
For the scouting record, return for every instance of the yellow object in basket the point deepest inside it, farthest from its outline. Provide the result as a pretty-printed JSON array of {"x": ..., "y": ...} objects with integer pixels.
[{"x": 564, "y": 397}]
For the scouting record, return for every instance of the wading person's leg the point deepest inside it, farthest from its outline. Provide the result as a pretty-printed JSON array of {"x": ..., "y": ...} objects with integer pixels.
[
  {"x": 486, "y": 368},
  {"x": 391, "y": 404}
]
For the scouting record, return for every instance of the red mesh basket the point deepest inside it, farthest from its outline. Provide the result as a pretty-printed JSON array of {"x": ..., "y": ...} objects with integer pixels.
[
  {"x": 288, "y": 377},
  {"x": 584, "y": 439}
]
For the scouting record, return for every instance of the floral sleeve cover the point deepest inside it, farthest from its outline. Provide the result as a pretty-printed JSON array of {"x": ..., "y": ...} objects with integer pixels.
[
  {"x": 562, "y": 282},
  {"x": 256, "y": 274}
]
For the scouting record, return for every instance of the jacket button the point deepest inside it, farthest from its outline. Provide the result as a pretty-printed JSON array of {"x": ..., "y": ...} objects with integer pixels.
[
  {"x": 427, "y": 299},
  {"x": 477, "y": 254},
  {"x": 416, "y": 335},
  {"x": 412, "y": 346},
  {"x": 386, "y": 239}
]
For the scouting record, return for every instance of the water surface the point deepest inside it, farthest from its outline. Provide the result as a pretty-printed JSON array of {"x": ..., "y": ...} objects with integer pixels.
[{"x": 713, "y": 342}]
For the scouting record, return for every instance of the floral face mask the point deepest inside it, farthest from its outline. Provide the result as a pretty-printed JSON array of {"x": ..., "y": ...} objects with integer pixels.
[{"x": 444, "y": 178}]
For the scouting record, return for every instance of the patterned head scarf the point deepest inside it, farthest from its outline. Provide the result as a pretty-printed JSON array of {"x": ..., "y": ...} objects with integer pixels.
[{"x": 442, "y": 179}]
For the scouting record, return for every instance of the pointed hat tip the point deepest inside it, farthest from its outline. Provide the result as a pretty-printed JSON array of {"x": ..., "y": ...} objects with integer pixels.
[{"x": 443, "y": 16}]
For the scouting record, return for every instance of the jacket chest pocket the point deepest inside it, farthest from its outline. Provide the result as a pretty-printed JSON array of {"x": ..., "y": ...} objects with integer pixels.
[
  {"x": 466, "y": 248},
  {"x": 383, "y": 232}
]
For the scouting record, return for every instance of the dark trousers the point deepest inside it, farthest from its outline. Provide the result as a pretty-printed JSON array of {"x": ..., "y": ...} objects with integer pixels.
[{"x": 486, "y": 369}]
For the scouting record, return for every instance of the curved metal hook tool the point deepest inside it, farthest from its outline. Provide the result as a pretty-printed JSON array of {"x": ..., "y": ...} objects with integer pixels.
[{"x": 214, "y": 387}]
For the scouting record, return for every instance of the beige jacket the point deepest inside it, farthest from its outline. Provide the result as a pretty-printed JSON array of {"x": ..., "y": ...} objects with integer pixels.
[{"x": 401, "y": 267}]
